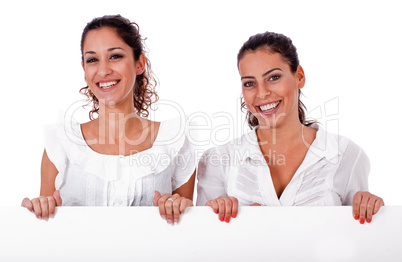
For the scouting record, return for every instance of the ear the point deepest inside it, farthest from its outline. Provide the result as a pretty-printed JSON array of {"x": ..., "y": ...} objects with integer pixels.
[
  {"x": 140, "y": 65},
  {"x": 300, "y": 77},
  {"x": 82, "y": 64}
]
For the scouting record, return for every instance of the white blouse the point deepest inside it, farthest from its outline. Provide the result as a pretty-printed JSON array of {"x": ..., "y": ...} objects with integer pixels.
[
  {"x": 333, "y": 170},
  {"x": 88, "y": 178}
]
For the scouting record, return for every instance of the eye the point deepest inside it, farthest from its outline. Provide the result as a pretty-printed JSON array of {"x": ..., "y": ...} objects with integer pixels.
[
  {"x": 91, "y": 60},
  {"x": 248, "y": 84},
  {"x": 274, "y": 77},
  {"x": 115, "y": 56}
]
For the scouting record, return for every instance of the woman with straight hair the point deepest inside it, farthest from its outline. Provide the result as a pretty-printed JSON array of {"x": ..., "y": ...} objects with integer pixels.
[{"x": 285, "y": 160}]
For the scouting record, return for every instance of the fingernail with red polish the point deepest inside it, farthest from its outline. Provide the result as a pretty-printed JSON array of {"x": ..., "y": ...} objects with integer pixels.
[
  {"x": 227, "y": 220},
  {"x": 356, "y": 217},
  {"x": 221, "y": 219},
  {"x": 369, "y": 220},
  {"x": 361, "y": 221},
  {"x": 234, "y": 215}
]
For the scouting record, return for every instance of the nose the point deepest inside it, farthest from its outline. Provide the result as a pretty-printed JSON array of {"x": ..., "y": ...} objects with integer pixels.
[
  {"x": 104, "y": 69},
  {"x": 263, "y": 91}
]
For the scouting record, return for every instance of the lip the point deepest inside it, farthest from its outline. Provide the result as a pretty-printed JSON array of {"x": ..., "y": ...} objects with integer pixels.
[
  {"x": 268, "y": 112},
  {"x": 106, "y": 81}
]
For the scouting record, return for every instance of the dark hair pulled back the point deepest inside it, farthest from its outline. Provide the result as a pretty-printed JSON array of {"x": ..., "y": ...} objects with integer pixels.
[{"x": 275, "y": 43}]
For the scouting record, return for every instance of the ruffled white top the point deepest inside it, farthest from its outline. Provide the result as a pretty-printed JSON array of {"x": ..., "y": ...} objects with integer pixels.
[
  {"x": 333, "y": 170},
  {"x": 88, "y": 178}
]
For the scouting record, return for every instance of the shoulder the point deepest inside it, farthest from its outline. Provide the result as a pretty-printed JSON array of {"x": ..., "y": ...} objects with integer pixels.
[
  {"x": 354, "y": 151},
  {"x": 327, "y": 144},
  {"x": 170, "y": 130},
  {"x": 239, "y": 147},
  {"x": 348, "y": 150}
]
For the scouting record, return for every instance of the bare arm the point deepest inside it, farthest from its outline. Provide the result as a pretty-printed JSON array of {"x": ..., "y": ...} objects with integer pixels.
[
  {"x": 187, "y": 189},
  {"x": 44, "y": 206},
  {"x": 48, "y": 176}
]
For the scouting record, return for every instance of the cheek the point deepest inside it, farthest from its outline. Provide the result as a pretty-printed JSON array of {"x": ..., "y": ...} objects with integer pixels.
[
  {"x": 130, "y": 72},
  {"x": 248, "y": 99},
  {"x": 291, "y": 91},
  {"x": 89, "y": 73}
]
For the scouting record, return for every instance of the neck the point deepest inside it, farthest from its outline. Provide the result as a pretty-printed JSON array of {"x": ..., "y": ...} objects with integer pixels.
[
  {"x": 118, "y": 122},
  {"x": 282, "y": 137}
]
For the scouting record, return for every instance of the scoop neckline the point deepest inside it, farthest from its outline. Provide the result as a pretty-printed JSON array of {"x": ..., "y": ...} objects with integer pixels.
[{"x": 88, "y": 148}]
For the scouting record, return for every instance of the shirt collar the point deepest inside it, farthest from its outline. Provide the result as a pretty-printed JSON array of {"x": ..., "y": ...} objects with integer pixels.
[
  {"x": 249, "y": 147},
  {"x": 325, "y": 144}
]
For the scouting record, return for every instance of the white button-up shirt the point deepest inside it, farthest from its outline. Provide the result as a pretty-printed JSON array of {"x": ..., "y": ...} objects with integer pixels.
[{"x": 333, "y": 170}]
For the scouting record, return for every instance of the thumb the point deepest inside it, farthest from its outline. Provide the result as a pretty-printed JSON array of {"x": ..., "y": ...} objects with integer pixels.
[
  {"x": 156, "y": 198},
  {"x": 57, "y": 197}
]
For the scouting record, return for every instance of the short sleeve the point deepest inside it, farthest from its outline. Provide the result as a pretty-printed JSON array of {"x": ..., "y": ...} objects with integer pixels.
[
  {"x": 55, "y": 150},
  {"x": 353, "y": 172},
  {"x": 175, "y": 151},
  {"x": 184, "y": 164},
  {"x": 211, "y": 182}
]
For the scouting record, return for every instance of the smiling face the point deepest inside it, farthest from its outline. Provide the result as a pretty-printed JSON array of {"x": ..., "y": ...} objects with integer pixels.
[
  {"x": 109, "y": 65},
  {"x": 270, "y": 89}
]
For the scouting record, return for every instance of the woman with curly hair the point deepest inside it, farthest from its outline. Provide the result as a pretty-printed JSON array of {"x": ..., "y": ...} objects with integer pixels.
[{"x": 119, "y": 158}]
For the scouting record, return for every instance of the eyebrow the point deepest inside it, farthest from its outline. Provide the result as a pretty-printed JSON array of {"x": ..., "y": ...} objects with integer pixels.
[
  {"x": 266, "y": 73},
  {"x": 109, "y": 50}
]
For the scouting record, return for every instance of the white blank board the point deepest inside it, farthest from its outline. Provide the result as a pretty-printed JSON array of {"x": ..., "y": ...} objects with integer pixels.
[{"x": 257, "y": 234}]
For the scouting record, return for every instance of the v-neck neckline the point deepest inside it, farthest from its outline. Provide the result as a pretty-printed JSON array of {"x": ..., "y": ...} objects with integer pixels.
[{"x": 289, "y": 193}]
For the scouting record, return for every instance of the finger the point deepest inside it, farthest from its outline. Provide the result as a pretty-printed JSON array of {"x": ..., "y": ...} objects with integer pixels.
[
  {"x": 52, "y": 205},
  {"x": 357, "y": 199},
  {"x": 235, "y": 206},
  {"x": 45, "y": 207},
  {"x": 166, "y": 206},
  {"x": 27, "y": 203},
  {"x": 221, "y": 208},
  {"x": 370, "y": 208},
  {"x": 363, "y": 208},
  {"x": 156, "y": 198},
  {"x": 255, "y": 205},
  {"x": 37, "y": 207},
  {"x": 176, "y": 209},
  {"x": 161, "y": 205},
  {"x": 378, "y": 204},
  {"x": 169, "y": 210},
  {"x": 184, "y": 204},
  {"x": 228, "y": 209},
  {"x": 214, "y": 205},
  {"x": 57, "y": 198}
]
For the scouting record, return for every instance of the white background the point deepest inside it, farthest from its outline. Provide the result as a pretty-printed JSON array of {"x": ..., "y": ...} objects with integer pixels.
[{"x": 350, "y": 51}]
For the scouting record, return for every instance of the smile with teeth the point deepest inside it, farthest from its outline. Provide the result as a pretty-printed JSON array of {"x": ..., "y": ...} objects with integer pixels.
[
  {"x": 106, "y": 85},
  {"x": 269, "y": 107}
]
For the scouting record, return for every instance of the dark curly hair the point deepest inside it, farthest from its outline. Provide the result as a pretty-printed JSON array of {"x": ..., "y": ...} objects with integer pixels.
[
  {"x": 276, "y": 43},
  {"x": 144, "y": 87}
]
